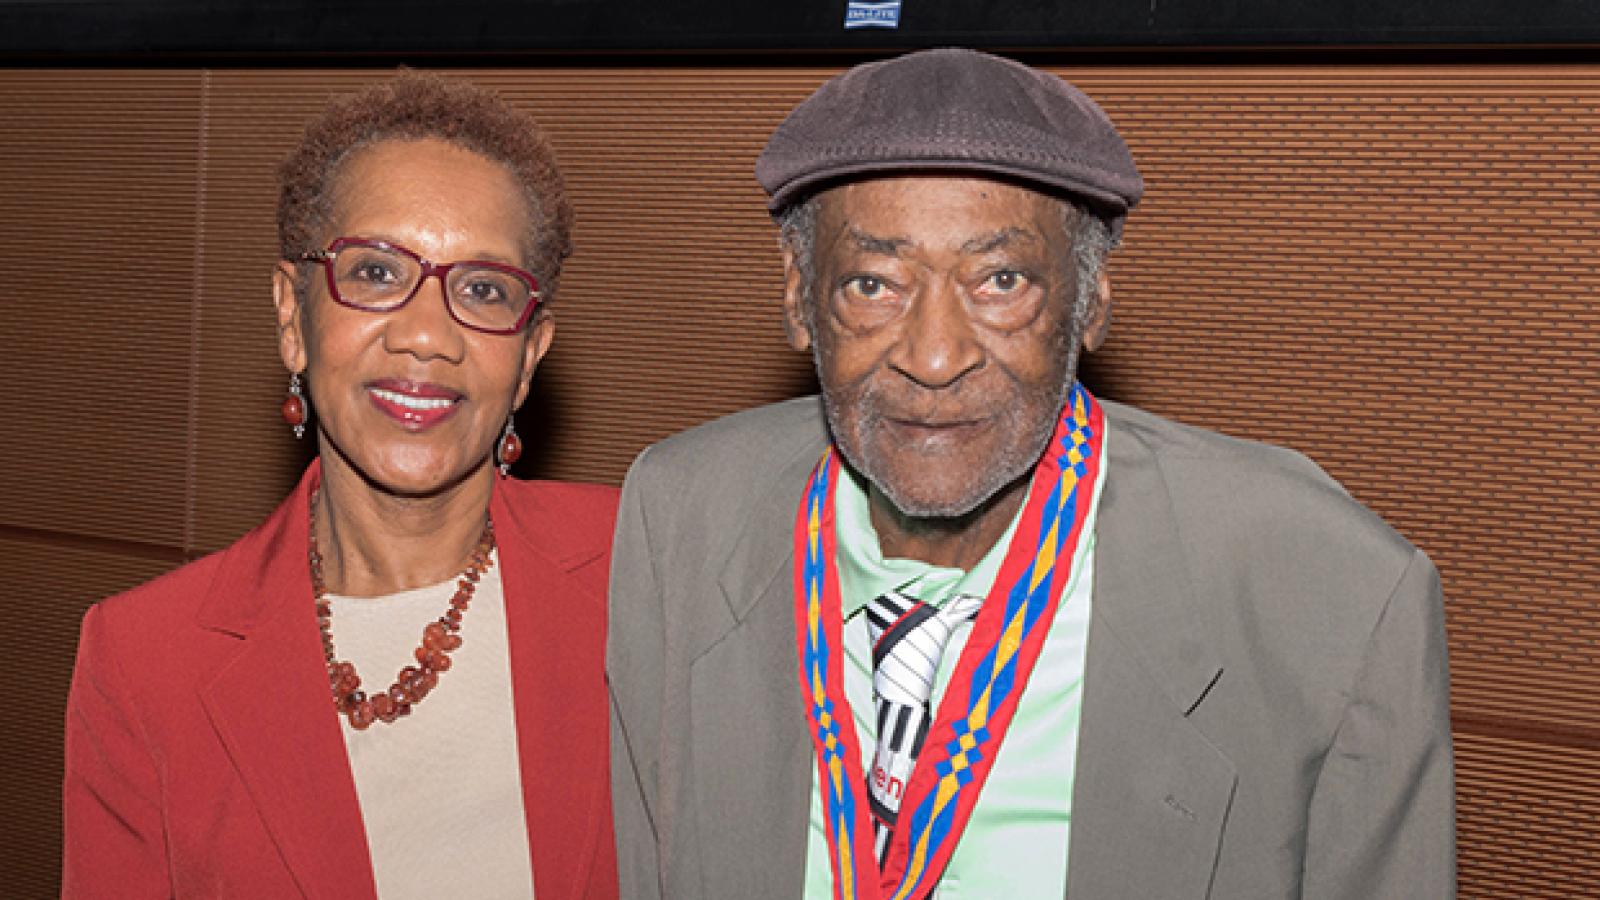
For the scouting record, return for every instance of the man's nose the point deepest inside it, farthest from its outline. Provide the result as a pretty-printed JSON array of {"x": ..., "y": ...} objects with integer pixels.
[{"x": 939, "y": 343}]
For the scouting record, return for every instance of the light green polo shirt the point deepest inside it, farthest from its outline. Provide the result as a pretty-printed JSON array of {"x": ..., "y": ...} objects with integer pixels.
[{"x": 1015, "y": 844}]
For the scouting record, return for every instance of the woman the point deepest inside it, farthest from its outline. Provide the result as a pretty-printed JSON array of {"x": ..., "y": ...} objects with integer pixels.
[{"x": 394, "y": 686}]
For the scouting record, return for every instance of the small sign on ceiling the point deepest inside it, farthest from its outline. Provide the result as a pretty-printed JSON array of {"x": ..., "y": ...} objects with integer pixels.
[{"x": 872, "y": 15}]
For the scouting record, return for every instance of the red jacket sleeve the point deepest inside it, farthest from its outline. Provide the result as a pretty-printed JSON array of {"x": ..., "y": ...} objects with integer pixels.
[{"x": 115, "y": 842}]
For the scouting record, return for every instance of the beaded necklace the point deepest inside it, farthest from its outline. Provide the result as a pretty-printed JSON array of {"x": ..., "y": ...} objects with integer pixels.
[{"x": 439, "y": 639}]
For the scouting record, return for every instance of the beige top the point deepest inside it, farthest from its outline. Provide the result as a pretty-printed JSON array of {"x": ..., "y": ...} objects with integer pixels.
[{"x": 441, "y": 789}]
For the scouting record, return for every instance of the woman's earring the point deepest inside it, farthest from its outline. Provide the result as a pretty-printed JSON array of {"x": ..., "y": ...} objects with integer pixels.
[
  {"x": 294, "y": 407},
  {"x": 510, "y": 448}
]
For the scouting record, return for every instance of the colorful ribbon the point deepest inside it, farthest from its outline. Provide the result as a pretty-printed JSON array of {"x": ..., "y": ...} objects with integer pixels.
[{"x": 984, "y": 690}]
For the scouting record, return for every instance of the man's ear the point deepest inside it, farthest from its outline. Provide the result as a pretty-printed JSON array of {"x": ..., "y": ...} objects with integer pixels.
[
  {"x": 291, "y": 316},
  {"x": 795, "y": 323},
  {"x": 1097, "y": 321},
  {"x": 540, "y": 334}
]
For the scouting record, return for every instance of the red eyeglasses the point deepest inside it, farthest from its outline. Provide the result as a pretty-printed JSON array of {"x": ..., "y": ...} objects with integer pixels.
[{"x": 378, "y": 276}]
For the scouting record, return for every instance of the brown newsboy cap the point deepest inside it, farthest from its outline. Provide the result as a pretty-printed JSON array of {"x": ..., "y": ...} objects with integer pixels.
[{"x": 951, "y": 109}]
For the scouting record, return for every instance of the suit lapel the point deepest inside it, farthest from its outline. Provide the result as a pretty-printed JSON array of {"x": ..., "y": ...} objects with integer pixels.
[
  {"x": 271, "y": 709},
  {"x": 270, "y": 706},
  {"x": 1152, "y": 794},
  {"x": 752, "y": 754},
  {"x": 556, "y": 627}
]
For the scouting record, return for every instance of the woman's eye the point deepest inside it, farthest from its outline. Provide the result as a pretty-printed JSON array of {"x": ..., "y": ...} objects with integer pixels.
[
  {"x": 481, "y": 293},
  {"x": 373, "y": 272}
]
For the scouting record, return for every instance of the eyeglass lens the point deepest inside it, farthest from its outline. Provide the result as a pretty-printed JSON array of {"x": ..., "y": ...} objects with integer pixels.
[{"x": 379, "y": 279}]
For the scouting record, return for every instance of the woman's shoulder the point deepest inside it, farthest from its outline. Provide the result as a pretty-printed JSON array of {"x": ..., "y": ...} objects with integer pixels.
[
  {"x": 572, "y": 494},
  {"x": 573, "y": 518},
  {"x": 150, "y": 629},
  {"x": 577, "y": 499},
  {"x": 163, "y": 599}
]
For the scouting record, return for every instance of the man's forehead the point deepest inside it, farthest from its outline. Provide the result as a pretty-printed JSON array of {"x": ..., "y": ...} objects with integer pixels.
[{"x": 971, "y": 213}]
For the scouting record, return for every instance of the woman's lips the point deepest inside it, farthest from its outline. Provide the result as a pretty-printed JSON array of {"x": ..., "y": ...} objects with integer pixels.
[{"x": 417, "y": 406}]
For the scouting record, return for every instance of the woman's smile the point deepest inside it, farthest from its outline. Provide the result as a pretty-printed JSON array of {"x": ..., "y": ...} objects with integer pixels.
[{"x": 417, "y": 406}]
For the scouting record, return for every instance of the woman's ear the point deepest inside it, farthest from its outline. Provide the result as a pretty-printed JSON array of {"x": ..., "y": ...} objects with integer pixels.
[
  {"x": 291, "y": 314},
  {"x": 540, "y": 334}
]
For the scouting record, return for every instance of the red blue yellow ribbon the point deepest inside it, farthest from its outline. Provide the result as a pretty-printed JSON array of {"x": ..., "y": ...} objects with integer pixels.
[{"x": 983, "y": 691}]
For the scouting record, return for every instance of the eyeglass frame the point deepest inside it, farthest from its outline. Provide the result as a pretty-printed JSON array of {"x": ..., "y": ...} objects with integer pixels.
[{"x": 429, "y": 270}]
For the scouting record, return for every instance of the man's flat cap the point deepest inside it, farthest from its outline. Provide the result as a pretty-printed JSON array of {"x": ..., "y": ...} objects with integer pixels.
[{"x": 951, "y": 109}]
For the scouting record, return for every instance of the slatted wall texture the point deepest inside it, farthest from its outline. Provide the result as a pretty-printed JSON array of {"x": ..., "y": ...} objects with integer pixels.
[
  {"x": 97, "y": 198},
  {"x": 1388, "y": 268}
]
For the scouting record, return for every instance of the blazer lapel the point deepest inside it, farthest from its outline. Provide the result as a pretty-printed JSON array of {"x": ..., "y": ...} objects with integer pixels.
[
  {"x": 752, "y": 753},
  {"x": 1152, "y": 794},
  {"x": 270, "y": 706},
  {"x": 556, "y": 625}
]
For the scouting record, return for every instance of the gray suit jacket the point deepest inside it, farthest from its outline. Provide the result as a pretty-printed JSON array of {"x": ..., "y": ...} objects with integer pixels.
[{"x": 1265, "y": 708}]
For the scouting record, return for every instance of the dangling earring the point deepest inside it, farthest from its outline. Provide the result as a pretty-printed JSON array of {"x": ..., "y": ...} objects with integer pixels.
[
  {"x": 294, "y": 407},
  {"x": 510, "y": 447}
]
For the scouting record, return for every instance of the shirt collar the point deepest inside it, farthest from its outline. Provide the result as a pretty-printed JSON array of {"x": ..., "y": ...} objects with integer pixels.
[{"x": 864, "y": 573}]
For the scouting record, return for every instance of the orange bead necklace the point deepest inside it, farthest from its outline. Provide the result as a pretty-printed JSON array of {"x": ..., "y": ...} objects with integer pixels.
[{"x": 439, "y": 638}]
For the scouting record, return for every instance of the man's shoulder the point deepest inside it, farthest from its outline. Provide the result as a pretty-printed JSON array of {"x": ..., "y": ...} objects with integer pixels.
[
  {"x": 1169, "y": 439},
  {"x": 726, "y": 482},
  {"x": 1238, "y": 499},
  {"x": 739, "y": 451},
  {"x": 763, "y": 429}
]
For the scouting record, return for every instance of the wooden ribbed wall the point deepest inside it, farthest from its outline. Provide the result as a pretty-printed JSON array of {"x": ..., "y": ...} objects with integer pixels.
[{"x": 1388, "y": 268}]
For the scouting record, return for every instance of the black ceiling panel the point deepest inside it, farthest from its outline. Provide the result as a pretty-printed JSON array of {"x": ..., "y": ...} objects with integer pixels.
[{"x": 99, "y": 28}]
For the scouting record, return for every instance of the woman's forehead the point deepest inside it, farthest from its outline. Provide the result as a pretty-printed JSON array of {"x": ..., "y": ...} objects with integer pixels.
[{"x": 433, "y": 196}]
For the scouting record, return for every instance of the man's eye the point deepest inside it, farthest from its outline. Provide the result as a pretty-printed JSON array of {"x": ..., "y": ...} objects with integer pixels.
[
  {"x": 1006, "y": 281},
  {"x": 866, "y": 287}
]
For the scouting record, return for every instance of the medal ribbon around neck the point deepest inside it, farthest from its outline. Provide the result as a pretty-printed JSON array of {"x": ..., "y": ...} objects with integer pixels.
[{"x": 984, "y": 690}]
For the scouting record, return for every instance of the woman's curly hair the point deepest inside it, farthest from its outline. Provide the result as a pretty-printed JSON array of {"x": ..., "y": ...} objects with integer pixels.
[{"x": 415, "y": 106}]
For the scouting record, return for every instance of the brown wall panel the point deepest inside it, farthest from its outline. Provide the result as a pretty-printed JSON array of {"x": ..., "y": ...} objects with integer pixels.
[
  {"x": 1528, "y": 819},
  {"x": 96, "y": 241},
  {"x": 1392, "y": 271},
  {"x": 1387, "y": 268},
  {"x": 675, "y": 270}
]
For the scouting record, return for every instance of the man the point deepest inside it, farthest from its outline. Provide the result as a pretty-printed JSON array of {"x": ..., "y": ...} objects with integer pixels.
[{"x": 1002, "y": 639}]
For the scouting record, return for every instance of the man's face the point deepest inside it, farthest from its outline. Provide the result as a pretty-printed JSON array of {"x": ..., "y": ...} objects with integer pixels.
[{"x": 943, "y": 329}]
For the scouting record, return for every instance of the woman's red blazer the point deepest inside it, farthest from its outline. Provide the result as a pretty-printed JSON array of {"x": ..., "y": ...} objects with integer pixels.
[{"x": 203, "y": 756}]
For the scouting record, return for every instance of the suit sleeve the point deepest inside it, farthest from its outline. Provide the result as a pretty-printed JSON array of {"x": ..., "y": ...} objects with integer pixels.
[
  {"x": 114, "y": 841},
  {"x": 1382, "y": 819},
  {"x": 635, "y": 661}
]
